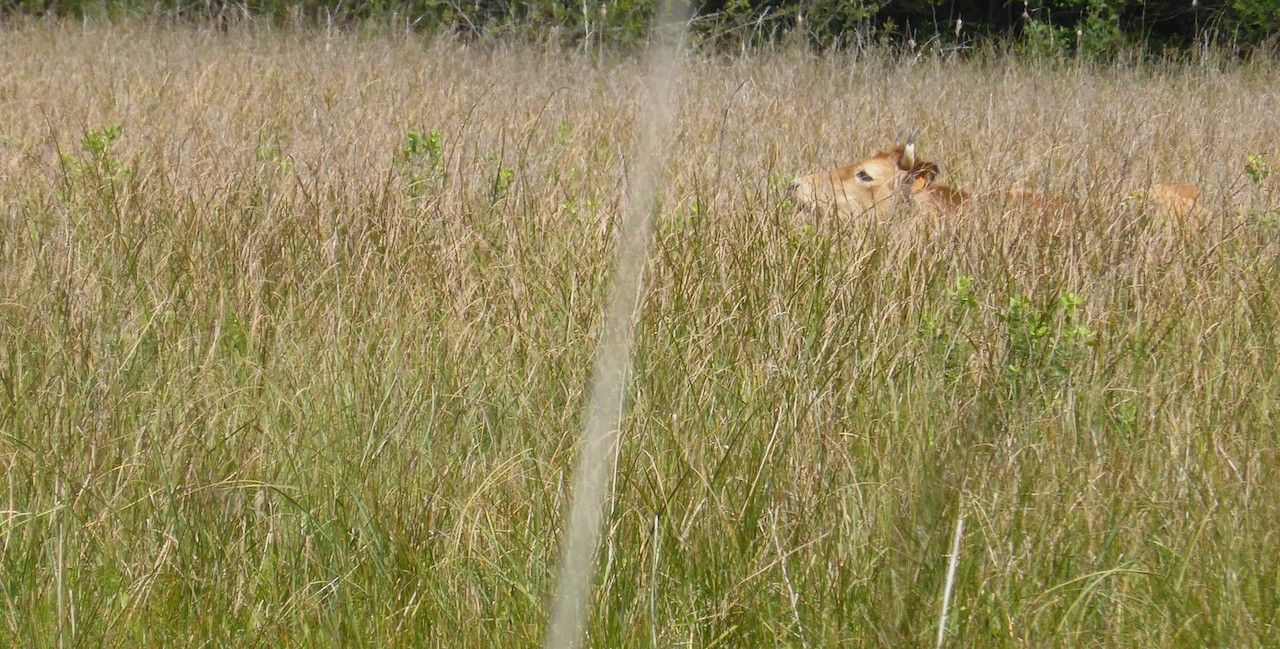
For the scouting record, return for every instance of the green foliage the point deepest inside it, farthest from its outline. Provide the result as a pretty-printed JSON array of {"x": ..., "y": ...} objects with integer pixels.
[
  {"x": 564, "y": 135},
  {"x": 948, "y": 337},
  {"x": 682, "y": 222},
  {"x": 420, "y": 146},
  {"x": 1264, "y": 219},
  {"x": 421, "y": 162},
  {"x": 502, "y": 179},
  {"x": 1254, "y": 18},
  {"x": 271, "y": 157},
  {"x": 1047, "y": 28},
  {"x": 96, "y": 170},
  {"x": 832, "y": 22},
  {"x": 1043, "y": 40},
  {"x": 578, "y": 211},
  {"x": 96, "y": 145},
  {"x": 97, "y": 142},
  {"x": 1044, "y": 341},
  {"x": 1256, "y": 169},
  {"x": 1088, "y": 29},
  {"x": 1098, "y": 34}
]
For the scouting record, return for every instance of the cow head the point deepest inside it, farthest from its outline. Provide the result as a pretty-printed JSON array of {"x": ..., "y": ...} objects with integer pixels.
[{"x": 876, "y": 183}]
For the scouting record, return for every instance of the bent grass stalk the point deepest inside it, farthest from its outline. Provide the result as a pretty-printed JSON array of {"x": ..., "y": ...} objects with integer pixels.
[
  {"x": 613, "y": 357},
  {"x": 951, "y": 578}
]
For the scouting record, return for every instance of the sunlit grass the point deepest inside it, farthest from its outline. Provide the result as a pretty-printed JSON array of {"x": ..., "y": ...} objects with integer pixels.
[{"x": 276, "y": 371}]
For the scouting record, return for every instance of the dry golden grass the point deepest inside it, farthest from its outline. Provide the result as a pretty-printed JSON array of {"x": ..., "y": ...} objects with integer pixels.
[{"x": 269, "y": 379}]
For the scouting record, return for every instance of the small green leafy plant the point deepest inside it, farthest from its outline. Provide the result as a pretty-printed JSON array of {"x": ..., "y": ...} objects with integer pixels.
[
  {"x": 270, "y": 154},
  {"x": 97, "y": 168},
  {"x": 1045, "y": 341},
  {"x": 947, "y": 335},
  {"x": 503, "y": 177},
  {"x": 1042, "y": 342},
  {"x": 421, "y": 162},
  {"x": 1257, "y": 171},
  {"x": 97, "y": 144}
]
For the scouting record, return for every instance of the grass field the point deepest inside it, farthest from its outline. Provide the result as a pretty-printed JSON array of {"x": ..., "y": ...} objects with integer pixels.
[{"x": 297, "y": 356}]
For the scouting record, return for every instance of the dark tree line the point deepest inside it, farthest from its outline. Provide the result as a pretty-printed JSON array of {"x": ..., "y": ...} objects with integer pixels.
[{"x": 1066, "y": 26}]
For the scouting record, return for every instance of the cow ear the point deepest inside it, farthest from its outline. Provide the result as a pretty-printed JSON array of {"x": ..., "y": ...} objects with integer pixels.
[
  {"x": 928, "y": 171},
  {"x": 921, "y": 176}
]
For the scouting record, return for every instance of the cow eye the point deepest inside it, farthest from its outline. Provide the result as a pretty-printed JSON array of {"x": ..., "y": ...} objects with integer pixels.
[{"x": 864, "y": 176}]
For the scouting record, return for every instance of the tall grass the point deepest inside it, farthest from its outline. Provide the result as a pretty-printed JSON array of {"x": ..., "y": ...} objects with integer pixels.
[{"x": 298, "y": 356}]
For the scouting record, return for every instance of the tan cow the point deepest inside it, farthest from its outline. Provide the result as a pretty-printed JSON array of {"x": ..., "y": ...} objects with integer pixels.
[
  {"x": 880, "y": 183},
  {"x": 1179, "y": 201},
  {"x": 897, "y": 177}
]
